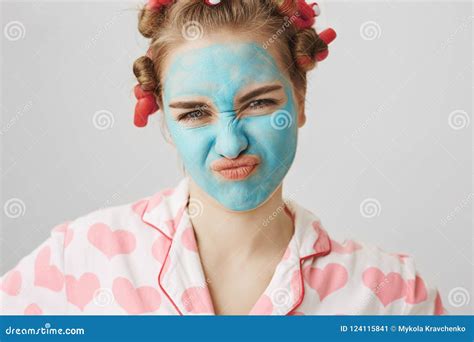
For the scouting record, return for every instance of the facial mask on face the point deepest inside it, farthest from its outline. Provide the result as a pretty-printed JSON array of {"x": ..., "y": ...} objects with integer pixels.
[{"x": 218, "y": 73}]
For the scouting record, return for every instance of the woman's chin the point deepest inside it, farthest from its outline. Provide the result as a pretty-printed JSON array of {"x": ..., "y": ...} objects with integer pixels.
[{"x": 241, "y": 198}]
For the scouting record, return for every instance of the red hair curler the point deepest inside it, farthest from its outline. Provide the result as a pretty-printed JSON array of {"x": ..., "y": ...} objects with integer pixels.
[
  {"x": 327, "y": 36},
  {"x": 306, "y": 14},
  {"x": 156, "y": 5},
  {"x": 146, "y": 101},
  {"x": 146, "y": 106}
]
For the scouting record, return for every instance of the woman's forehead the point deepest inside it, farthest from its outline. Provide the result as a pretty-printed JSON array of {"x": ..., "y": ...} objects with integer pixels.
[{"x": 219, "y": 67}]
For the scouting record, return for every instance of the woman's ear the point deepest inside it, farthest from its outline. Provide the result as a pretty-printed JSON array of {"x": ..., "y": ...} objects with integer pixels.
[
  {"x": 164, "y": 129},
  {"x": 301, "y": 115}
]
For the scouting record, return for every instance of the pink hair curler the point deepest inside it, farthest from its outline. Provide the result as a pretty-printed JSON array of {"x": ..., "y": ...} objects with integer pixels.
[
  {"x": 146, "y": 106},
  {"x": 156, "y": 5}
]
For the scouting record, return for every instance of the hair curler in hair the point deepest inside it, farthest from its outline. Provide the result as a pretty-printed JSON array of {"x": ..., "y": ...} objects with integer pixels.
[
  {"x": 306, "y": 13},
  {"x": 327, "y": 36},
  {"x": 146, "y": 106},
  {"x": 156, "y": 5}
]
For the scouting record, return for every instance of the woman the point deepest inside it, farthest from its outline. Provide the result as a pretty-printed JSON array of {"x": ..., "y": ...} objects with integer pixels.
[{"x": 229, "y": 79}]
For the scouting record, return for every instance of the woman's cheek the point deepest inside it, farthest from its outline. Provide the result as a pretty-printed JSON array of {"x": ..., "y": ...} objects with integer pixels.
[
  {"x": 193, "y": 146},
  {"x": 273, "y": 137}
]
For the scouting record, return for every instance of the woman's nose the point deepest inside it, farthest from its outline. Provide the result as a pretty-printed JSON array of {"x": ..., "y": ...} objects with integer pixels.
[{"x": 230, "y": 139}]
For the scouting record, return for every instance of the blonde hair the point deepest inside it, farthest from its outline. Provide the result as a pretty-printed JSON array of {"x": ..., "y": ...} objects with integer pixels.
[{"x": 269, "y": 19}]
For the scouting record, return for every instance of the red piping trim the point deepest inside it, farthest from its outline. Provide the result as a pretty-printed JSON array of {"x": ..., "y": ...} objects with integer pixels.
[
  {"x": 164, "y": 262},
  {"x": 300, "y": 300},
  {"x": 160, "y": 230},
  {"x": 159, "y": 281}
]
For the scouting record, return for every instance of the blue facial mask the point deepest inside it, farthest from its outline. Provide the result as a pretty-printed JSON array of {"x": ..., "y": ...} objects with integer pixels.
[{"x": 218, "y": 73}]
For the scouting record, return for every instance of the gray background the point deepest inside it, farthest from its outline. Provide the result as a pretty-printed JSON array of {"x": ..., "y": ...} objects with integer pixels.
[{"x": 389, "y": 120}]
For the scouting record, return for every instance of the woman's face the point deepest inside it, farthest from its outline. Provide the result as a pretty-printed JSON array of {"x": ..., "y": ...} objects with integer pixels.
[{"x": 230, "y": 101}]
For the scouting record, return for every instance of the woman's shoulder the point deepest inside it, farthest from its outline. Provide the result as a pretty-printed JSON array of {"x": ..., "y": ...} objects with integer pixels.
[
  {"x": 97, "y": 247},
  {"x": 367, "y": 253},
  {"x": 388, "y": 275},
  {"x": 124, "y": 216},
  {"x": 372, "y": 259},
  {"x": 120, "y": 215},
  {"x": 119, "y": 226}
]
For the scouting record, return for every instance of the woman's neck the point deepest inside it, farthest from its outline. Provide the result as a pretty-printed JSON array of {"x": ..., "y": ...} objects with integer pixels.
[{"x": 265, "y": 230}]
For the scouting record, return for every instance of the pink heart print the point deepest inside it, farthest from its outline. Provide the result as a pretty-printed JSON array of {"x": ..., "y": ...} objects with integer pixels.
[
  {"x": 160, "y": 248},
  {"x": 263, "y": 306},
  {"x": 197, "y": 300},
  {"x": 174, "y": 222},
  {"x": 287, "y": 254},
  {"x": 152, "y": 202},
  {"x": 438, "y": 309},
  {"x": 327, "y": 280},
  {"x": 135, "y": 301},
  {"x": 11, "y": 283},
  {"x": 322, "y": 242},
  {"x": 400, "y": 256},
  {"x": 188, "y": 239},
  {"x": 68, "y": 233},
  {"x": 347, "y": 248},
  {"x": 47, "y": 275},
  {"x": 80, "y": 292},
  {"x": 139, "y": 207},
  {"x": 416, "y": 291},
  {"x": 33, "y": 309},
  {"x": 110, "y": 242},
  {"x": 388, "y": 288},
  {"x": 295, "y": 285}
]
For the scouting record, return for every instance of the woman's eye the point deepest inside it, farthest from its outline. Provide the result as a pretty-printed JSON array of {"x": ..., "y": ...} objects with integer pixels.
[
  {"x": 261, "y": 103},
  {"x": 192, "y": 116}
]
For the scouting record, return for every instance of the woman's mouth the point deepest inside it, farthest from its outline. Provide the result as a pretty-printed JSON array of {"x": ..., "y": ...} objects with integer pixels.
[{"x": 236, "y": 169}]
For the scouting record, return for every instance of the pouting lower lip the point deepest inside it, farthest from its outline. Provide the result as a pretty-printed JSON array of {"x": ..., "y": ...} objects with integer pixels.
[{"x": 237, "y": 173}]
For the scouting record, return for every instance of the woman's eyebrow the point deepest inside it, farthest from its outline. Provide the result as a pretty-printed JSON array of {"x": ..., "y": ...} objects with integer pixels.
[
  {"x": 201, "y": 105},
  {"x": 189, "y": 105},
  {"x": 257, "y": 92}
]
